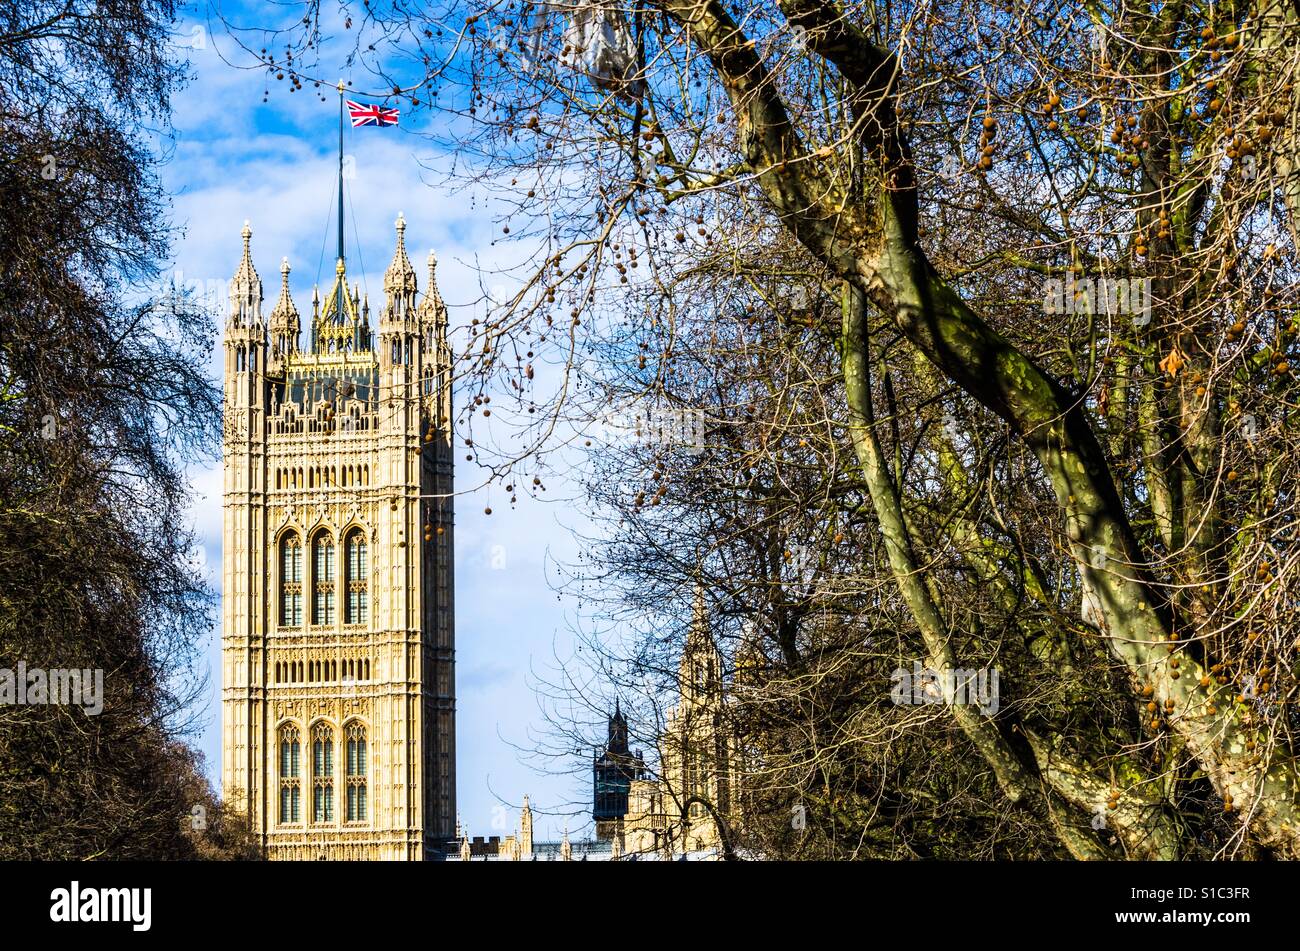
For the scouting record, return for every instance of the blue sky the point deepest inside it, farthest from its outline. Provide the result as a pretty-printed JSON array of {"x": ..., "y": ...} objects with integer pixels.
[{"x": 234, "y": 158}]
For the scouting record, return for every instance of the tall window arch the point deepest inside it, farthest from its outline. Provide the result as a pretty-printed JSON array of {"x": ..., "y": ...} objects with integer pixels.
[
  {"x": 322, "y": 611},
  {"x": 290, "y": 581},
  {"x": 290, "y": 771},
  {"x": 322, "y": 772},
  {"x": 356, "y": 733},
  {"x": 358, "y": 606}
]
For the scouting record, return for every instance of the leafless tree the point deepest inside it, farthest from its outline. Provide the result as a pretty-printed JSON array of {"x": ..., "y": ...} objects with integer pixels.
[
  {"x": 102, "y": 402},
  {"x": 1052, "y": 252}
]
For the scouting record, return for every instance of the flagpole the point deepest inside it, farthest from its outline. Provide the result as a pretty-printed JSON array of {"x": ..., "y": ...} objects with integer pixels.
[
  {"x": 340, "y": 169},
  {"x": 342, "y": 312}
]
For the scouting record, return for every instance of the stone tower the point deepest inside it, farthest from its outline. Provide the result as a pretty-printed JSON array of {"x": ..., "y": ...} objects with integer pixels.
[
  {"x": 338, "y": 683},
  {"x": 613, "y": 772}
]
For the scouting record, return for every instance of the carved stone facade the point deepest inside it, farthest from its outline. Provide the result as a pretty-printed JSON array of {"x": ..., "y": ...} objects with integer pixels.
[{"x": 338, "y": 682}]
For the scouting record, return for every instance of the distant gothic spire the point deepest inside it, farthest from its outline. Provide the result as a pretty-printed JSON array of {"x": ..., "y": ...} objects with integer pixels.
[
  {"x": 285, "y": 309},
  {"x": 617, "y": 739},
  {"x": 246, "y": 270},
  {"x": 246, "y": 287},
  {"x": 284, "y": 323},
  {"x": 526, "y": 829},
  {"x": 701, "y": 662},
  {"x": 333, "y": 331},
  {"x": 399, "y": 279},
  {"x": 432, "y": 309}
]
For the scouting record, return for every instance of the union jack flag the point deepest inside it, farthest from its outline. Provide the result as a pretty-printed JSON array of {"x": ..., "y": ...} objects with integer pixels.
[{"x": 370, "y": 115}]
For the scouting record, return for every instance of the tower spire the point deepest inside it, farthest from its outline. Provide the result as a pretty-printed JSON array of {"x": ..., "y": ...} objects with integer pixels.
[
  {"x": 285, "y": 303},
  {"x": 246, "y": 271},
  {"x": 399, "y": 279},
  {"x": 284, "y": 325},
  {"x": 701, "y": 662},
  {"x": 246, "y": 287}
]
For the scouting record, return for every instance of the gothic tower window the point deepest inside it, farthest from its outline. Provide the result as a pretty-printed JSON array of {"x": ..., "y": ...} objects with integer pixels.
[
  {"x": 356, "y": 772},
  {"x": 322, "y": 757},
  {"x": 290, "y": 581},
  {"x": 358, "y": 593},
  {"x": 323, "y": 602},
  {"x": 290, "y": 767}
]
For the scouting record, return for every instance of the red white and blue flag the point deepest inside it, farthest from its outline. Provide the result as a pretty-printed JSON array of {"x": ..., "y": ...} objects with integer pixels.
[{"x": 370, "y": 115}]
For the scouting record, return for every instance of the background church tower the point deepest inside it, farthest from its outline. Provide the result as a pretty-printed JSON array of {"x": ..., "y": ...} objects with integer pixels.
[
  {"x": 613, "y": 772},
  {"x": 338, "y": 684}
]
